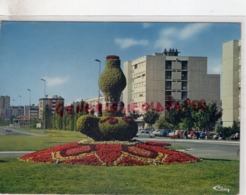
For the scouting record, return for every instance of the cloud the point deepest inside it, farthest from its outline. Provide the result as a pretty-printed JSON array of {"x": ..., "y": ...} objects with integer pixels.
[
  {"x": 147, "y": 25},
  {"x": 214, "y": 66},
  {"x": 125, "y": 43},
  {"x": 192, "y": 29},
  {"x": 169, "y": 36},
  {"x": 164, "y": 43},
  {"x": 55, "y": 81}
]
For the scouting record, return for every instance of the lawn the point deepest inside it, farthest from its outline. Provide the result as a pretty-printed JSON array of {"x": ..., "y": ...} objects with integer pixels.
[
  {"x": 195, "y": 178},
  {"x": 25, "y": 177},
  {"x": 47, "y": 139}
]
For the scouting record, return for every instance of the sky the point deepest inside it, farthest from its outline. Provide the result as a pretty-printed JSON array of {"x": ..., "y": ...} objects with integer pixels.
[{"x": 64, "y": 53}]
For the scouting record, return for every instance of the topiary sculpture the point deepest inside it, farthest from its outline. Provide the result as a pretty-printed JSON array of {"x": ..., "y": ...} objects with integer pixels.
[{"x": 110, "y": 126}]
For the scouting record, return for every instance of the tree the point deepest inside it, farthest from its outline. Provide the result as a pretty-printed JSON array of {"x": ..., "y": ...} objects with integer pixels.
[
  {"x": 188, "y": 120},
  {"x": 207, "y": 118},
  {"x": 135, "y": 115},
  {"x": 161, "y": 123},
  {"x": 47, "y": 117},
  {"x": 174, "y": 116},
  {"x": 150, "y": 117}
]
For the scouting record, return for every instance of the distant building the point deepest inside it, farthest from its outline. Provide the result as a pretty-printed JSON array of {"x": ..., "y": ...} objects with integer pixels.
[
  {"x": 164, "y": 76},
  {"x": 31, "y": 112},
  {"x": 231, "y": 82},
  {"x": 4, "y": 106},
  {"x": 48, "y": 101},
  {"x": 17, "y": 111}
]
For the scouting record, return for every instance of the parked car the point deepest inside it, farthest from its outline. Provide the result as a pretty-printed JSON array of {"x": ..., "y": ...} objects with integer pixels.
[
  {"x": 165, "y": 132},
  {"x": 145, "y": 133},
  {"x": 156, "y": 132}
]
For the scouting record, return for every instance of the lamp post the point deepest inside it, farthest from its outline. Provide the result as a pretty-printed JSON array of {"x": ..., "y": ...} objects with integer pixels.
[
  {"x": 20, "y": 99},
  {"x": 30, "y": 103},
  {"x": 99, "y": 62},
  {"x": 44, "y": 102},
  {"x": 44, "y": 87}
]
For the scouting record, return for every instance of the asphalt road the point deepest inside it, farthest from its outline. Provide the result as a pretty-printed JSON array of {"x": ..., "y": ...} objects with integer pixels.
[
  {"x": 212, "y": 149},
  {"x": 209, "y": 149}
]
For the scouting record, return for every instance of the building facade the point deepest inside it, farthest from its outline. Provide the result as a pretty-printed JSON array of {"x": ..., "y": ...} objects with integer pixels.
[
  {"x": 51, "y": 102},
  {"x": 31, "y": 112},
  {"x": 161, "y": 77},
  {"x": 231, "y": 71},
  {"x": 4, "y": 106}
]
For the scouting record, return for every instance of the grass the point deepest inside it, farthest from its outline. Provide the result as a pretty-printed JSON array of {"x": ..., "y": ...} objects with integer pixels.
[
  {"x": 23, "y": 177},
  {"x": 196, "y": 178},
  {"x": 48, "y": 139}
]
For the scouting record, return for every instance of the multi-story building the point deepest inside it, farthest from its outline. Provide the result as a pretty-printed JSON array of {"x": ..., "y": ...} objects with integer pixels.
[
  {"x": 31, "y": 112},
  {"x": 48, "y": 101},
  {"x": 17, "y": 111},
  {"x": 231, "y": 71},
  {"x": 155, "y": 79},
  {"x": 4, "y": 106}
]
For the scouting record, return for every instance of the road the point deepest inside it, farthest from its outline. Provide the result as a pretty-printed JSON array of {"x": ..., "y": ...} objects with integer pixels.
[{"x": 214, "y": 149}]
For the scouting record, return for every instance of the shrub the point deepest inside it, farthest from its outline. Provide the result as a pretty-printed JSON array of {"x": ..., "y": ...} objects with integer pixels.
[
  {"x": 122, "y": 130},
  {"x": 107, "y": 128},
  {"x": 88, "y": 125}
]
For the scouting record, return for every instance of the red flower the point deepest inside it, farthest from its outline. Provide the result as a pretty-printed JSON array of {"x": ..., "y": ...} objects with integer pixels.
[
  {"x": 110, "y": 154},
  {"x": 113, "y": 57},
  {"x": 111, "y": 120},
  {"x": 128, "y": 119}
]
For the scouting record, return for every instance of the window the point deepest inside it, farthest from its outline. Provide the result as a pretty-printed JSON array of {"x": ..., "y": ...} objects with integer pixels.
[
  {"x": 184, "y": 85},
  {"x": 184, "y": 65},
  {"x": 135, "y": 66},
  {"x": 184, "y": 75},
  {"x": 168, "y": 64},
  {"x": 168, "y": 74},
  {"x": 184, "y": 95},
  {"x": 168, "y": 85}
]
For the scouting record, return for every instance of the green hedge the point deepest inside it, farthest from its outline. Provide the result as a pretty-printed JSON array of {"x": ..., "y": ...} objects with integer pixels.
[
  {"x": 102, "y": 129},
  {"x": 122, "y": 130},
  {"x": 88, "y": 125}
]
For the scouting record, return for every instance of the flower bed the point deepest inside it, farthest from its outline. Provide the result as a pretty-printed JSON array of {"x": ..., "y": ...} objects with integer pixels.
[{"x": 109, "y": 154}]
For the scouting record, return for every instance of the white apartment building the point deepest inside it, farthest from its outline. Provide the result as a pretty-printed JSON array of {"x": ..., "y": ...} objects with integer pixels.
[
  {"x": 231, "y": 71},
  {"x": 155, "y": 79}
]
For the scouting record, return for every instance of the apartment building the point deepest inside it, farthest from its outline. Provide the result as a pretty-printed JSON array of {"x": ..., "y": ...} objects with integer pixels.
[
  {"x": 31, "y": 112},
  {"x": 155, "y": 79},
  {"x": 4, "y": 106},
  {"x": 231, "y": 71},
  {"x": 48, "y": 101}
]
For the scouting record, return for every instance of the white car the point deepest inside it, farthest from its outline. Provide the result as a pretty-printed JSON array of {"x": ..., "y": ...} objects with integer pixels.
[
  {"x": 156, "y": 132},
  {"x": 145, "y": 133}
]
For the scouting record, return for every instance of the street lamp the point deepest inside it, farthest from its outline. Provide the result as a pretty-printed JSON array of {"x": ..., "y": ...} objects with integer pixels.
[
  {"x": 29, "y": 107},
  {"x": 99, "y": 62},
  {"x": 30, "y": 103},
  {"x": 44, "y": 102},
  {"x": 44, "y": 87},
  {"x": 20, "y": 99}
]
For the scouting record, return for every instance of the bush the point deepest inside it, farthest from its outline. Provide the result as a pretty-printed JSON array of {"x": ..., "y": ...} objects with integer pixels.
[
  {"x": 121, "y": 130},
  {"x": 228, "y": 131},
  {"x": 88, "y": 125},
  {"x": 107, "y": 128}
]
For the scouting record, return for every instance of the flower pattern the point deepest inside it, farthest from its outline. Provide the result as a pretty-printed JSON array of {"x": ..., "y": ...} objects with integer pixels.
[{"x": 110, "y": 154}]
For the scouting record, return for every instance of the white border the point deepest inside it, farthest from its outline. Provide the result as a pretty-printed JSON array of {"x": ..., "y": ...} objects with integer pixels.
[{"x": 139, "y": 11}]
